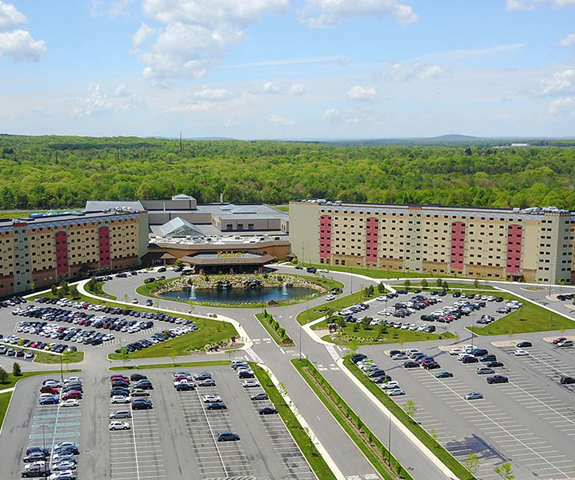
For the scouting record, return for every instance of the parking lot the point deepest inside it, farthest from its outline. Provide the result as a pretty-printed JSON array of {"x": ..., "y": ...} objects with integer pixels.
[{"x": 522, "y": 421}]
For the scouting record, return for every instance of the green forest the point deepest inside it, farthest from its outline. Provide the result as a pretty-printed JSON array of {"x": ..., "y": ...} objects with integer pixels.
[{"x": 63, "y": 172}]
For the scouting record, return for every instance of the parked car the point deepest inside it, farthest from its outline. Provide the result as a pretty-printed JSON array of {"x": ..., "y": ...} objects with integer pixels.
[
  {"x": 497, "y": 379},
  {"x": 444, "y": 374},
  {"x": 566, "y": 380},
  {"x": 520, "y": 353},
  {"x": 267, "y": 411},
  {"x": 228, "y": 437},
  {"x": 473, "y": 396},
  {"x": 118, "y": 425},
  {"x": 524, "y": 344}
]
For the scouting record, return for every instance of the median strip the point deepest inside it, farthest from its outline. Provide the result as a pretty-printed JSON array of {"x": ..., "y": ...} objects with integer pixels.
[
  {"x": 297, "y": 431},
  {"x": 377, "y": 454},
  {"x": 275, "y": 330}
]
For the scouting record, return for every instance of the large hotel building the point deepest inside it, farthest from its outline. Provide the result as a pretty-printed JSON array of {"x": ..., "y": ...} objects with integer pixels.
[
  {"x": 532, "y": 245},
  {"x": 41, "y": 251}
]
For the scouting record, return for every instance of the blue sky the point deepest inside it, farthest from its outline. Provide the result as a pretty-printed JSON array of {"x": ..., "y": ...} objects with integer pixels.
[{"x": 288, "y": 68}]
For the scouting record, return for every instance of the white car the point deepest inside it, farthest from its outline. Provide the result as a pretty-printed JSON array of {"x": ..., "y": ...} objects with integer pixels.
[
  {"x": 395, "y": 391},
  {"x": 329, "y": 298},
  {"x": 399, "y": 356},
  {"x": 117, "y": 425},
  {"x": 250, "y": 383},
  {"x": 382, "y": 299},
  {"x": 121, "y": 399},
  {"x": 390, "y": 385},
  {"x": 520, "y": 353},
  {"x": 211, "y": 398},
  {"x": 71, "y": 402},
  {"x": 456, "y": 351}
]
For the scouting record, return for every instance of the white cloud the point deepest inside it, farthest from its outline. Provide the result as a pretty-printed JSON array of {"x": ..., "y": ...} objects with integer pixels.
[
  {"x": 326, "y": 13},
  {"x": 404, "y": 72},
  {"x": 557, "y": 107},
  {"x": 182, "y": 50},
  {"x": 143, "y": 33},
  {"x": 568, "y": 40},
  {"x": 99, "y": 100},
  {"x": 207, "y": 93},
  {"x": 271, "y": 88},
  {"x": 20, "y": 45},
  {"x": 279, "y": 120},
  {"x": 195, "y": 33},
  {"x": 296, "y": 89},
  {"x": 560, "y": 83},
  {"x": 519, "y": 5},
  {"x": 359, "y": 92},
  {"x": 10, "y": 17}
]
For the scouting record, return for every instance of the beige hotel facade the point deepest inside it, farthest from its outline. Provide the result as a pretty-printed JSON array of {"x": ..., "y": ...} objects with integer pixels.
[{"x": 532, "y": 245}]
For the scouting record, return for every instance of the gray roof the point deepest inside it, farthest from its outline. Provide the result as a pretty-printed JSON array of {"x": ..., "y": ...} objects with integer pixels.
[
  {"x": 179, "y": 227},
  {"x": 94, "y": 205}
]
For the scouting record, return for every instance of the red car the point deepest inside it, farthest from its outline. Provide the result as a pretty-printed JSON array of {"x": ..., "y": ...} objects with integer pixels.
[
  {"x": 73, "y": 394},
  {"x": 559, "y": 340},
  {"x": 48, "y": 389},
  {"x": 119, "y": 377}
]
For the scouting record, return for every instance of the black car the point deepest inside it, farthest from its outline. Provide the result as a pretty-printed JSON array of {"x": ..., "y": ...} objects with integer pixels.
[
  {"x": 144, "y": 385},
  {"x": 267, "y": 411},
  {"x": 490, "y": 357},
  {"x": 497, "y": 379},
  {"x": 125, "y": 392},
  {"x": 358, "y": 357},
  {"x": 216, "y": 406},
  {"x": 245, "y": 374},
  {"x": 184, "y": 387},
  {"x": 524, "y": 344},
  {"x": 31, "y": 450},
  {"x": 141, "y": 404},
  {"x": 260, "y": 396},
  {"x": 470, "y": 359},
  {"x": 202, "y": 376},
  {"x": 35, "y": 457},
  {"x": 494, "y": 364},
  {"x": 410, "y": 364},
  {"x": 378, "y": 372},
  {"x": 228, "y": 437},
  {"x": 566, "y": 380}
]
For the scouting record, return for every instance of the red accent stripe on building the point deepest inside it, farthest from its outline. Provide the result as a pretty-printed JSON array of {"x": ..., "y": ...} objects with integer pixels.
[
  {"x": 104, "y": 246},
  {"x": 456, "y": 260},
  {"x": 61, "y": 252},
  {"x": 514, "y": 240},
  {"x": 325, "y": 236},
  {"x": 371, "y": 238}
]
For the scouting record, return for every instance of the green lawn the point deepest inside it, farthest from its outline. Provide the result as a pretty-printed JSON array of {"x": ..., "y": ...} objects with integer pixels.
[
  {"x": 440, "y": 452},
  {"x": 374, "y": 272},
  {"x": 529, "y": 318},
  {"x": 50, "y": 358},
  {"x": 282, "y": 340},
  {"x": 4, "y": 402},
  {"x": 376, "y": 453},
  {"x": 451, "y": 286},
  {"x": 321, "y": 310},
  {"x": 359, "y": 334},
  {"x": 210, "y": 332},
  {"x": 298, "y": 433},
  {"x": 96, "y": 288},
  {"x": 212, "y": 363}
]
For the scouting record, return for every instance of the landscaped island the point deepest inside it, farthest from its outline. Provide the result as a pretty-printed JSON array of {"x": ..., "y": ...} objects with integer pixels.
[{"x": 240, "y": 289}]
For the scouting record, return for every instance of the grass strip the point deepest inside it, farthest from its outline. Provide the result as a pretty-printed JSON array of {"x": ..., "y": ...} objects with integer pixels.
[
  {"x": 351, "y": 334},
  {"x": 96, "y": 288},
  {"x": 436, "y": 448},
  {"x": 381, "y": 459},
  {"x": 529, "y": 318},
  {"x": 300, "y": 436},
  {"x": 50, "y": 358},
  {"x": 211, "y": 332},
  {"x": 374, "y": 272},
  {"x": 328, "y": 308},
  {"x": 278, "y": 334},
  {"x": 208, "y": 363},
  {"x": 4, "y": 403}
]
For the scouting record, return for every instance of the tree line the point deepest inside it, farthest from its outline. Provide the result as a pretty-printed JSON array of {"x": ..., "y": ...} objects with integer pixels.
[{"x": 63, "y": 172}]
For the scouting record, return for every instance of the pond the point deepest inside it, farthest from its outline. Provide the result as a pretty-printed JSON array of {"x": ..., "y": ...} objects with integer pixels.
[{"x": 240, "y": 295}]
